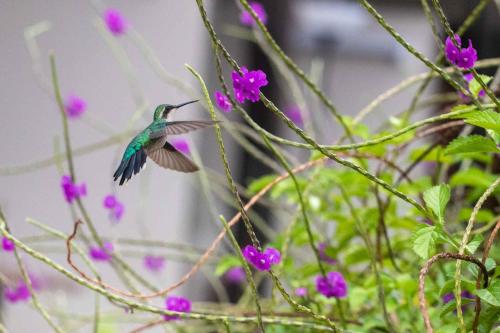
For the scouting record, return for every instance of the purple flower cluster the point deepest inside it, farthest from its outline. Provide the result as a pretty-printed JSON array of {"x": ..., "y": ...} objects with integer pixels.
[
  {"x": 71, "y": 190},
  {"x": 116, "y": 208},
  {"x": 181, "y": 145},
  {"x": 247, "y": 19},
  {"x": 115, "y": 22},
  {"x": 331, "y": 285},
  {"x": 247, "y": 86},
  {"x": 103, "y": 253},
  {"x": 293, "y": 112},
  {"x": 154, "y": 263},
  {"x": 178, "y": 304},
  {"x": 20, "y": 293},
  {"x": 74, "y": 106},
  {"x": 262, "y": 260},
  {"x": 323, "y": 256},
  {"x": 462, "y": 57},
  {"x": 223, "y": 102},
  {"x": 235, "y": 275},
  {"x": 7, "y": 244}
]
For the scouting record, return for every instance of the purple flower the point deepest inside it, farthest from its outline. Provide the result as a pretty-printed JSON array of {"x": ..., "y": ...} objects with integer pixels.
[
  {"x": 181, "y": 145},
  {"x": 154, "y": 263},
  {"x": 19, "y": 293},
  {"x": 116, "y": 208},
  {"x": 178, "y": 304},
  {"x": 301, "y": 292},
  {"x": 247, "y": 86},
  {"x": 223, "y": 101},
  {"x": 259, "y": 260},
  {"x": 109, "y": 201},
  {"x": 115, "y": 22},
  {"x": 71, "y": 190},
  {"x": 462, "y": 57},
  {"x": 247, "y": 19},
  {"x": 468, "y": 57},
  {"x": 451, "y": 50},
  {"x": 293, "y": 112},
  {"x": 323, "y": 256},
  {"x": 235, "y": 275},
  {"x": 7, "y": 244},
  {"x": 75, "y": 106},
  {"x": 101, "y": 254},
  {"x": 332, "y": 285},
  {"x": 273, "y": 255}
]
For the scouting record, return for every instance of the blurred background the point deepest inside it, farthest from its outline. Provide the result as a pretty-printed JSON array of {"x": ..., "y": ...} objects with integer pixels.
[{"x": 336, "y": 42}]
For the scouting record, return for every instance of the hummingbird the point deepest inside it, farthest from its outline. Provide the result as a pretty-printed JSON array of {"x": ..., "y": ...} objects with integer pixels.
[{"x": 152, "y": 142}]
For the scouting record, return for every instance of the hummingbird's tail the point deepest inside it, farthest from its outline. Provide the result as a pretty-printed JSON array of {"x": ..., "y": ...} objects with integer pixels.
[{"x": 129, "y": 166}]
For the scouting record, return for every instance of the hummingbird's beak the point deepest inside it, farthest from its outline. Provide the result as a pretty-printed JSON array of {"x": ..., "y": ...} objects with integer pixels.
[{"x": 181, "y": 105}]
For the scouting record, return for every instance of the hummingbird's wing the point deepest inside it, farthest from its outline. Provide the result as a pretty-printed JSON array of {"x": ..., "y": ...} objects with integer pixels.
[
  {"x": 181, "y": 127},
  {"x": 133, "y": 158},
  {"x": 170, "y": 158}
]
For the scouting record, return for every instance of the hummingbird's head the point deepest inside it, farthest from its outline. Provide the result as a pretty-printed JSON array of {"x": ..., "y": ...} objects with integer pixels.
[{"x": 163, "y": 110}]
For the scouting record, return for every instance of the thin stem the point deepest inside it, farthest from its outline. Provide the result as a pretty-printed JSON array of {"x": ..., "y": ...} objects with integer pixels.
[
  {"x": 294, "y": 68},
  {"x": 302, "y": 205},
  {"x": 248, "y": 272},
  {"x": 463, "y": 245},
  {"x": 371, "y": 254},
  {"x": 27, "y": 281},
  {"x": 425, "y": 269},
  {"x": 225, "y": 162},
  {"x": 149, "y": 308}
]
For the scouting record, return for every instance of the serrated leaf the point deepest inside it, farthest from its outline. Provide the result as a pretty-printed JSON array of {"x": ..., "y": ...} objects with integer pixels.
[
  {"x": 474, "y": 243},
  {"x": 475, "y": 86},
  {"x": 471, "y": 144},
  {"x": 488, "y": 119},
  {"x": 488, "y": 297},
  {"x": 491, "y": 295},
  {"x": 436, "y": 199},
  {"x": 423, "y": 241}
]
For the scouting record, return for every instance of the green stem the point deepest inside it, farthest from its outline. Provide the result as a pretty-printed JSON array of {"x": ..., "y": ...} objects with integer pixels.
[
  {"x": 413, "y": 51},
  {"x": 27, "y": 280},
  {"x": 463, "y": 245},
  {"x": 302, "y": 204},
  {"x": 295, "y": 69}
]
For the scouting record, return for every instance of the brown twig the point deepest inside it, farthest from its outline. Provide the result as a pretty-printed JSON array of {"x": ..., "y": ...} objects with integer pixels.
[
  {"x": 486, "y": 251},
  {"x": 211, "y": 249},
  {"x": 425, "y": 269}
]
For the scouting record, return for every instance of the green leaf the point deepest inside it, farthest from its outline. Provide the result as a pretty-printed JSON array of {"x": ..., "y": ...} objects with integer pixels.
[
  {"x": 495, "y": 135},
  {"x": 491, "y": 295},
  {"x": 488, "y": 119},
  {"x": 472, "y": 177},
  {"x": 474, "y": 243},
  {"x": 471, "y": 144},
  {"x": 423, "y": 241},
  {"x": 436, "y": 199},
  {"x": 225, "y": 263},
  {"x": 475, "y": 86},
  {"x": 488, "y": 297}
]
